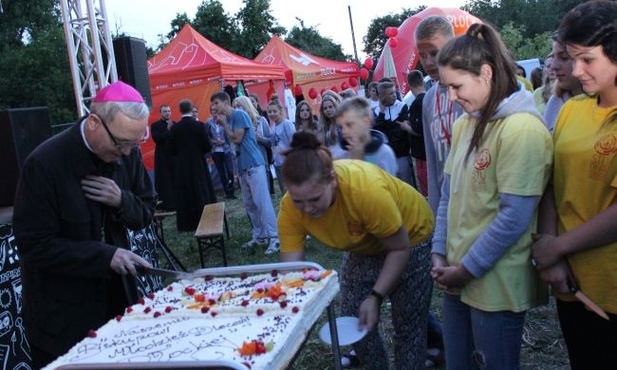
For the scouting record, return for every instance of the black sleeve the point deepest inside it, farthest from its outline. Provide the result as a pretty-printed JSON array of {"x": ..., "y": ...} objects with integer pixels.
[{"x": 415, "y": 115}]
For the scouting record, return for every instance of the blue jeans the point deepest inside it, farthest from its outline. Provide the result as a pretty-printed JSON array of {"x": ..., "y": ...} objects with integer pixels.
[
  {"x": 476, "y": 339},
  {"x": 258, "y": 203}
]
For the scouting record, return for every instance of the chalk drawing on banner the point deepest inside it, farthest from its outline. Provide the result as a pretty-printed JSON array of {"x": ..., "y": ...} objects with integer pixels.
[
  {"x": 23, "y": 341},
  {"x": 6, "y": 323}
]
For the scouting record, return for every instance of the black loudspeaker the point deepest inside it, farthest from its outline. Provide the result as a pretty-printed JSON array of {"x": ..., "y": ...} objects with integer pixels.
[
  {"x": 132, "y": 65},
  {"x": 21, "y": 131}
]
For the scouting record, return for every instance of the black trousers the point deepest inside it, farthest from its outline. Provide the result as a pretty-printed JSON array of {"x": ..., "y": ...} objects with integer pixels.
[{"x": 591, "y": 340}]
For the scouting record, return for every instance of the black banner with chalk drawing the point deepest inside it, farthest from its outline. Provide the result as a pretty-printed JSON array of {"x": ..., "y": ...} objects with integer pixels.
[
  {"x": 144, "y": 243},
  {"x": 14, "y": 347}
]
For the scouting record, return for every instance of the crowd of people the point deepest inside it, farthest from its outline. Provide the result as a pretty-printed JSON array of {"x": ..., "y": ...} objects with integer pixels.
[{"x": 471, "y": 184}]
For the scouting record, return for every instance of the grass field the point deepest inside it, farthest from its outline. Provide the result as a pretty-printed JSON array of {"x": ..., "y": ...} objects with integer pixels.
[{"x": 543, "y": 346}]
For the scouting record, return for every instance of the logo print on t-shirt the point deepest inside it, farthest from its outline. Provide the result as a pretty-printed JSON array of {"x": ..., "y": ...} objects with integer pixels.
[
  {"x": 606, "y": 145},
  {"x": 482, "y": 159},
  {"x": 601, "y": 160}
]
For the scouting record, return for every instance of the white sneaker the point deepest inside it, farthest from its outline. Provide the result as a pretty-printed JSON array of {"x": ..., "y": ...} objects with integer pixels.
[
  {"x": 254, "y": 243},
  {"x": 274, "y": 246}
]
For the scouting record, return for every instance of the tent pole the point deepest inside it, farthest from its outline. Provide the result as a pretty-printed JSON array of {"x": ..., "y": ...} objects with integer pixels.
[{"x": 353, "y": 37}]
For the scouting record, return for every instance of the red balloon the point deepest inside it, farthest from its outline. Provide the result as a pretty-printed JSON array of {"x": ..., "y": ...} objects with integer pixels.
[
  {"x": 364, "y": 73},
  {"x": 393, "y": 31},
  {"x": 388, "y": 31},
  {"x": 344, "y": 85},
  {"x": 353, "y": 82},
  {"x": 312, "y": 93},
  {"x": 335, "y": 89},
  {"x": 298, "y": 90},
  {"x": 393, "y": 42},
  {"x": 369, "y": 63},
  {"x": 322, "y": 91}
]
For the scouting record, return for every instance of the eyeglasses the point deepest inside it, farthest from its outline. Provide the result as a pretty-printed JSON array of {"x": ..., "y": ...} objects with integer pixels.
[{"x": 119, "y": 144}]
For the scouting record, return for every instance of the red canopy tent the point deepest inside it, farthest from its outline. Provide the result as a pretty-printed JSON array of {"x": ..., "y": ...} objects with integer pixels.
[
  {"x": 192, "y": 67},
  {"x": 405, "y": 54},
  {"x": 308, "y": 71}
]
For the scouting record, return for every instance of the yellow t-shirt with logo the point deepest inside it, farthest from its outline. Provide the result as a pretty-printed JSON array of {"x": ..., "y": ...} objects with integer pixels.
[
  {"x": 514, "y": 158},
  {"x": 369, "y": 205},
  {"x": 585, "y": 182}
]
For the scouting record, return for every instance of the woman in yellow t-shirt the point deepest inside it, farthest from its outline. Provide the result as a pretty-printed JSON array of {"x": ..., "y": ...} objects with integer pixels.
[
  {"x": 382, "y": 224},
  {"x": 577, "y": 246}
]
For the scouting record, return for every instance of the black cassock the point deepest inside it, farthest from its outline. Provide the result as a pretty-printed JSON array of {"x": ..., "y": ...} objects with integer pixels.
[
  {"x": 193, "y": 185},
  {"x": 164, "y": 170}
]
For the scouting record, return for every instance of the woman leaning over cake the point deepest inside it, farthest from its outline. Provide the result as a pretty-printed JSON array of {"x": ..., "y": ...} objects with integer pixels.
[
  {"x": 578, "y": 215},
  {"x": 494, "y": 177},
  {"x": 382, "y": 224}
]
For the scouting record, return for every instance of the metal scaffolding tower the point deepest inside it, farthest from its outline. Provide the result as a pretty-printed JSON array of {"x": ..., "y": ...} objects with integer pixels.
[{"x": 91, "y": 52}]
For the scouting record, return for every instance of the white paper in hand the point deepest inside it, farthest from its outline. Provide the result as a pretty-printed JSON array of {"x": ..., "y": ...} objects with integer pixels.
[{"x": 348, "y": 328}]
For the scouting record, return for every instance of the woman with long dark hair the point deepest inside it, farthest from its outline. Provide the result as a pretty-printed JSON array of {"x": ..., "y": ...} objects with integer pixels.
[{"x": 578, "y": 245}]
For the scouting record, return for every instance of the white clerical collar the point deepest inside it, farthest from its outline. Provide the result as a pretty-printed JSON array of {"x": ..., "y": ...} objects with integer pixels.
[
  {"x": 188, "y": 115},
  {"x": 82, "y": 129}
]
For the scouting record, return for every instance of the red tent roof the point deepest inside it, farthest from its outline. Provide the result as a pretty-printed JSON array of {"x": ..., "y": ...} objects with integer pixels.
[
  {"x": 191, "y": 59},
  {"x": 301, "y": 67}
]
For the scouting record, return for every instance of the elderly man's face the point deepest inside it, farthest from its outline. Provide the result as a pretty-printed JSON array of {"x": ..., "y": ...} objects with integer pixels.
[{"x": 120, "y": 137}]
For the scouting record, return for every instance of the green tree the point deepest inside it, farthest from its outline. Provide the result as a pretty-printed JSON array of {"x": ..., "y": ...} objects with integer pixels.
[
  {"x": 257, "y": 26},
  {"x": 215, "y": 24},
  {"x": 521, "y": 48},
  {"x": 375, "y": 38},
  {"x": 34, "y": 63},
  {"x": 537, "y": 16},
  {"x": 177, "y": 24},
  {"x": 308, "y": 39}
]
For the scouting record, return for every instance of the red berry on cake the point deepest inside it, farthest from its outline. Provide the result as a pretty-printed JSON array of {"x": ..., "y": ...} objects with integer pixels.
[
  {"x": 151, "y": 295},
  {"x": 243, "y": 276},
  {"x": 156, "y": 314},
  {"x": 212, "y": 301},
  {"x": 283, "y": 304},
  {"x": 147, "y": 310},
  {"x": 260, "y": 312},
  {"x": 213, "y": 313},
  {"x": 208, "y": 277},
  {"x": 168, "y": 309},
  {"x": 140, "y": 300},
  {"x": 260, "y": 347},
  {"x": 129, "y": 309},
  {"x": 247, "y": 365},
  {"x": 119, "y": 317},
  {"x": 205, "y": 309},
  {"x": 295, "y": 309},
  {"x": 91, "y": 333},
  {"x": 245, "y": 302},
  {"x": 189, "y": 290},
  {"x": 170, "y": 288}
]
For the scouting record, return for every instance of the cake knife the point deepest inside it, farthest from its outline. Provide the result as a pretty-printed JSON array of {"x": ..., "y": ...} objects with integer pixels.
[
  {"x": 574, "y": 289},
  {"x": 142, "y": 270}
]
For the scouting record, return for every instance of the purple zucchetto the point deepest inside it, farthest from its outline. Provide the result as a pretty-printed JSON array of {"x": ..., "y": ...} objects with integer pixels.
[{"x": 118, "y": 92}]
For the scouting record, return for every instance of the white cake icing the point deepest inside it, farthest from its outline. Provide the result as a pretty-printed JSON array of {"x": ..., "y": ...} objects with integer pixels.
[{"x": 212, "y": 321}]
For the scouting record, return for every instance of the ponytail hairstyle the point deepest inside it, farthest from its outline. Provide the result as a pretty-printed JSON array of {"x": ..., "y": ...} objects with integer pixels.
[
  {"x": 481, "y": 45},
  {"x": 590, "y": 24},
  {"x": 306, "y": 159}
]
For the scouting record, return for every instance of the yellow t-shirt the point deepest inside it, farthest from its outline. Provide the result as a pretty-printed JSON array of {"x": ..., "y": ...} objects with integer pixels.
[
  {"x": 370, "y": 204},
  {"x": 514, "y": 158},
  {"x": 585, "y": 182}
]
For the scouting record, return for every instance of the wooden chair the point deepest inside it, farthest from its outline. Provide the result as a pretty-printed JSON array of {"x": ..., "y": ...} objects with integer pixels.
[{"x": 209, "y": 233}]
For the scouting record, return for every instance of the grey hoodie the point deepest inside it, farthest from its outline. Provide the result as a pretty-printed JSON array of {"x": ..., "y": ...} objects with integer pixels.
[{"x": 508, "y": 225}]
